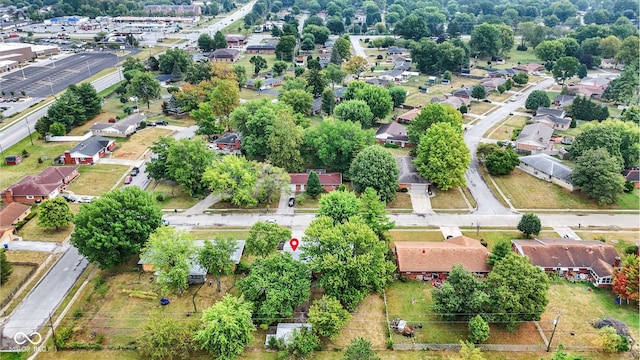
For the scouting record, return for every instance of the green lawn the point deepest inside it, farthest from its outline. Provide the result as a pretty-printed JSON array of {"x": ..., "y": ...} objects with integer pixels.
[
  {"x": 479, "y": 108},
  {"x": 451, "y": 199},
  {"x": 174, "y": 197},
  {"x": 97, "y": 179},
  {"x": 214, "y": 234},
  {"x": 505, "y": 129}
]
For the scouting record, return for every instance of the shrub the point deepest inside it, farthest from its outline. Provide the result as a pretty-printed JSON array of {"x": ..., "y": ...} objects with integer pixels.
[
  {"x": 100, "y": 338},
  {"x": 77, "y": 313},
  {"x": 63, "y": 335},
  {"x": 389, "y": 343},
  {"x": 25, "y": 153},
  {"x": 160, "y": 197},
  {"x": 99, "y": 281},
  {"x": 102, "y": 289},
  {"x": 404, "y": 190},
  {"x": 300, "y": 199},
  {"x": 243, "y": 267},
  {"x": 631, "y": 249},
  {"x": 393, "y": 146},
  {"x": 143, "y": 124},
  {"x": 521, "y": 47}
]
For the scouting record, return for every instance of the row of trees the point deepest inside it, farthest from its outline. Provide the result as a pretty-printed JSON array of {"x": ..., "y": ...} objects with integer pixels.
[{"x": 73, "y": 108}]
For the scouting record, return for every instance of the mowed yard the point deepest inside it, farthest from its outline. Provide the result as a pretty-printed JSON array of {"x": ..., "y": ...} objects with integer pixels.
[{"x": 505, "y": 129}]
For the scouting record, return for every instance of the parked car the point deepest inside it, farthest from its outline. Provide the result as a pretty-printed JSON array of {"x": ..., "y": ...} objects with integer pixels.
[
  {"x": 135, "y": 171},
  {"x": 515, "y": 98},
  {"x": 487, "y": 101},
  {"x": 162, "y": 123},
  {"x": 85, "y": 199},
  {"x": 271, "y": 221},
  {"x": 128, "y": 180},
  {"x": 292, "y": 201},
  {"x": 69, "y": 197},
  {"x": 151, "y": 123},
  {"x": 165, "y": 222}
]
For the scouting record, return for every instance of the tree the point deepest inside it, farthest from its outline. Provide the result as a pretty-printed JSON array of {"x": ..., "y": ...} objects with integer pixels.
[
  {"x": 280, "y": 66},
  {"x": 550, "y": 50},
  {"x": 431, "y": 114},
  {"x": 486, "y": 40},
  {"x": 343, "y": 47},
  {"x": 303, "y": 343},
  {"x": 170, "y": 252},
  {"x": 284, "y": 143},
  {"x": 537, "y": 98},
  {"x": 349, "y": 257},
  {"x": 529, "y": 224},
  {"x": 339, "y": 206},
  {"x": 115, "y": 226},
  {"x": 57, "y": 129},
  {"x": 469, "y": 352},
  {"x": 628, "y": 52},
  {"x": 276, "y": 285},
  {"x": 166, "y": 338},
  {"x": 167, "y": 61},
  {"x": 478, "y": 329},
  {"x": 334, "y": 74},
  {"x": 327, "y": 316},
  {"x": 328, "y": 101},
  {"x": 632, "y": 114},
  {"x": 582, "y": 71},
  {"x": 502, "y": 162},
  {"x": 501, "y": 89},
  {"x": 623, "y": 88},
  {"x": 145, "y": 87},
  {"x": 316, "y": 80},
  {"x": 462, "y": 294},
  {"x": 518, "y": 291},
  {"x": 499, "y": 251},
  {"x": 360, "y": 349},
  {"x": 6, "y": 269},
  {"x": 264, "y": 238},
  {"x": 225, "y": 328},
  {"x": 285, "y": 47},
  {"x": 442, "y": 156},
  {"x": 186, "y": 163},
  {"x": 313, "y": 187},
  {"x": 335, "y": 59},
  {"x": 598, "y": 174},
  {"x": 565, "y": 68},
  {"x": 205, "y": 43},
  {"x": 625, "y": 280},
  {"x": 356, "y": 111},
  {"x": 256, "y": 120},
  {"x": 299, "y": 100},
  {"x": 233, "y": 177},
  {"x": 609, "y": 340},
  {"x": 157, "y": 168},
  {"x": 334, "y": 143},
  {"x": 376, "y": 168},
  {"x": 320, "y": 33},
  {"x": 585, "y": 109},
  {"x": 520, "y": 78},
  {"x": 89, "y": 100},
  {"x": 272, "y": 182},
  {"x": 413, "y": 27},
  {"x": 259, "y": 63},
  {"x": 356, "y": 66},
  {"x": 215, "y": 257},
  {"x": 374, "y": 213},
  {"x": 54, "y": 213},
  {"x": 377, "y": 98},
  {"x": 219, "y": 41},
  {"x": 479, "y": 92},
  {"x": 241, "y": 74},
  {"x": 398, "y": 95}
]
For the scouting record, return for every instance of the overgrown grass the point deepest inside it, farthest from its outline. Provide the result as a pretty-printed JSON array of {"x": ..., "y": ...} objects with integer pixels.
[
  {"x": 173, "y": 196},
  {"x": 19, "y": 273},
  {"x": 32, "y": 231},
  {"x": 479, "y": 108},
  {"x": 415, "y": 235},
  {"x": 493, "y": 236},
  {"x": 137, "y": 144},
  {"x": 401, "y": 201}
]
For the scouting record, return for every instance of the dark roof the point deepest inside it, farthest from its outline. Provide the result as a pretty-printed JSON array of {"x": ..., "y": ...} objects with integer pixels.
[
  {"x": 547, "y": 111},
  {"x": 632, "y": 175},
  {"x": 164, "y": 77},
  {"x": 317, "y": 104},
  {"x": 551, "y": 118},
  {"x": 463, "y": 91},
  {"x": 340, "y": 92},
  {"x": 564, "y": 98},
  {"x": 395, "y": 50},
  {"x": 568, "y": 253},
  {"x": 548, "y": 165},
  {"x": 91, "y": 146},
  {"x": 224, "y": 53},
  {"x": 261, "y": 47},
  {"x": 229, "y": 138},
  {"x": 44, "y": 183},
  {"x": 402, "y": 66},
  {"x": 393, "y": 128}
]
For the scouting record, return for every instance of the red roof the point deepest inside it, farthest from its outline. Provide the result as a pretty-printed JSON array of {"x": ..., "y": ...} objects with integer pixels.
[
  {"x": 441, "y": 256},
  {"x": 11, "y": 212},
  {"x": 410, "y": 115},
  {"x": 44, "y": 183},
  {"x": 325, "y": 179}
]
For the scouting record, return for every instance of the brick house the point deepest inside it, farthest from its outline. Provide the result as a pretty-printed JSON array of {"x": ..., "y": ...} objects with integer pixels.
[
  {"x": 329, "y": 181},
  {"x": 261, "y": 49},
  {"x": 434, "y": 260},
  {"x": 89, "y": 151},
  {"x": 224, "y": 55},
  {"x": 529, "y": 68},
  {"x": 46, "y": 185},
  {"x": 582, "y": 260},
  {"x": 235, "y": 40},
  {"x": 393, "y": 133},
  {"x": 633, "y": 176},
  {"x": 409, "y": 115},
  {"x": 228, "y": 141}
]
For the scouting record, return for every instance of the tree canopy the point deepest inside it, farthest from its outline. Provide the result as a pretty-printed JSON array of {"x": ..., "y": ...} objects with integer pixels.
[
  {"x": 376, "y": 168},
  {"x": 327, "y": 316},
  {"x": 264, "y": 238},
  {"x": 171, "y": 252},
  {"x": 431, "y": 114},
  {"x": 598, "y": 174},
  {"x": 356, "y": 111},
  {"x": 529, "y": 224},
  {"x": 215, "y": 257},
  {"x": 537, "y": 98},
  {"x": 54, "y": 213}
]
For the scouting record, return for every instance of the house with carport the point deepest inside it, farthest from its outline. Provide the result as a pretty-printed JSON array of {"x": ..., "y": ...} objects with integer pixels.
[
  {"x": 89, "y": 151},
  {"x": 578, "y": 260}
]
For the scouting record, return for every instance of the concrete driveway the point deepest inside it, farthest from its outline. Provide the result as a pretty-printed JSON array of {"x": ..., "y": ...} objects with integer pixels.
[
  {"x": 283, "y": 205},
  {"x": 420, "y": 201}
]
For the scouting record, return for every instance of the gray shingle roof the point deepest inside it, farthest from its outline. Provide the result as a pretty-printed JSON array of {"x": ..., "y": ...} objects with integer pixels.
[
  {"x": 548, "y": 165},
  {"x": 91, "y": 146}
]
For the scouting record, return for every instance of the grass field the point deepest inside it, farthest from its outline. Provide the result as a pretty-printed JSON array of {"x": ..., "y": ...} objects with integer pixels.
[
  {"x": 415, "y": 235},
  {"x": 134, "y": 147},
  {"x": 451, "y": 199},
  {"x": 528, "y": 192},
  {"x": 19, "y": 273},
  {"x": 496, "y": 96},
  {"x": 479, "y": 108},
  {"x": 505, "y": 129},
  {"x": 416, "y": 98},
  {"x": 208, "y": 234},
  {"x": 493, "y": 236},
  {"x": 32, "y": 231},
  {"x": 401, "y": 201},
  {"x": 97, "y": 179},
  {"x": 37, "y": 257},
  {"x": 619, "y": 239},
  {"x": 174, "y": 197}
]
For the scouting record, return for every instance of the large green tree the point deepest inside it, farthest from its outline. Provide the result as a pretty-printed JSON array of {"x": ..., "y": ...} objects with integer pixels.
[
  {"x": 462, "y": 294},
  {"x": 377, "y": 98},
  {"x": 313, "y": 187},
  {"x": 157, "y": 168},
  {"x": 486, "y": 40},
  {"x": 186, "y": 161},
  {"x": 165, "y": 338},
  {"x": 171, "y": 252},
  {"x": 215, "y": 257},
  {"x": 518, "y": 291},
  {"x": 174, "y": 57},
  {"x": 360, "y": 349},
  {"x": 374, "y": 213},
  {"x": 284, "y": 143},
  {"x": 91, "y": 102},
  {"x": 597, "y": 173},
  {"x": 550, "y": 50},
  {"x": 565, "y": 68},
  {"x": 339, "y": 206},
  {"x": 327, "y": 316},
  {"x": 299, "y": 100},
  {"x": 259, "y": 63},
  {"x": 334, "y": 74},
  {"x": 54, "y": 213},
  {"x": 529, "y": 224},
  {"x": 226, "y": 328},
  {"x": 376, "y": 168},
  {"x": 276, "y": 285},
  {"x": 398, "y": 95},
  {"x": 502, "y": 161},
  {"x": 537, "y": 98},
  {"x": 115, "y": 226},
  {"x": 431, "y": 114},
  {"x": 349, "y": 257},
  {"x": 621, "y": 139},
  {"x": 442, "y": 156},
  {"x": 356, "y": 111},
  {"x": 498, "y": 252},
  {"x": 334, "y": 143},
  {"x": 264, "y": 238},
  {"x": 145, "y": 87},
  {"x": 235, "y": 178}
]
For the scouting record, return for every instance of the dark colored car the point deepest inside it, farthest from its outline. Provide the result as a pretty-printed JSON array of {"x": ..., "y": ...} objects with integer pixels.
[
  {"x": 163, "y": 123},
  {"x": 292, "y": 201},
  {"x": 135, "y": 171},
  {"x": 487, "y": 101},
  {"x": 69, "y": 197}
]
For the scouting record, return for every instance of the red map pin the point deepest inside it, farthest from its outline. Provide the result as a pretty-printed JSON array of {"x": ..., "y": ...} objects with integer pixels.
[{"x": 294, "y": 243}]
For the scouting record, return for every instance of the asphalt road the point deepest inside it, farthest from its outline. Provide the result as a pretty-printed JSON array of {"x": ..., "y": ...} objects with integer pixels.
[
  {"x": 34, "y": 310},
  {"x": 487, "y": 202}
]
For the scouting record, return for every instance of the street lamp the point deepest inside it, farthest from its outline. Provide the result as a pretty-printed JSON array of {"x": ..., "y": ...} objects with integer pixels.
[
  {"x": 23, "y": 76},
  {"x": 555, "y": 325},
  {"x": 51, "y": 86},
  {"x": 29, "y": 130},
  {"x": 89, "y": 68}
]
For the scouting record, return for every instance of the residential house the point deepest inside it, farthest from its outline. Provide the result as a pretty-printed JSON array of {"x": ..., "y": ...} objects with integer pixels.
[
  {"x": 592, "y": 87},
  {"x": 7, "y": 234},
  {"x": 234, "y": 40},
  {"x": 404, "y": 66},
  {"x": 261, "y": 49},
  {"x": 339, "y": 93},
  {"x": 611, "y": 64},
  {"x": 464, "y": 93},
  {"x": 553, "y": 122},
  {"x": 378, "y": 81},
  {"x": 581, "y": 260},
  {"x": 529, "y": 68},
  {"x": 10, "y": 215},
  {"x": 284, "y": 332},
  {"x": 456, "y": 102},
  {"x": 491, "y": 84},
  {"x": 394, "y": 51},
  {"x": 198, "y": 274},
  {"x": 329, "y": 181},
  {"x": 12, "y": 159},
  {"x": 46, "y": 185},
  {"x": 409, "y": 178},
  {"x": 393, "y": 133},
  {"x": 632, "y": 175},
  {"x": 228, "y": 141},
  {"x": 224, "y": 55},
  {"x": 535, "y": 138},
  {"x": 393, "y": 75},
  {"x": 553, "y": 112},
  {"x": 267, "y": 83},
  {"x": 122, "y": 128},
  {"x": 316, "y": 106},
  {"x": 563, "y": 100},
  {"x": 400, "y": 58},
  {"x": 547, "y": 168},
  {"x": 434, "y": 260},
  {"x": 497, "y": 73},
  {"x": 409, "y": 115},
  {"x": 89, "y": 151}
]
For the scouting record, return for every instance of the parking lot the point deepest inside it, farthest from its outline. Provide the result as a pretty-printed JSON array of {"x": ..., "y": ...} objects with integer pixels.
[{"x": 55, "y": 75}]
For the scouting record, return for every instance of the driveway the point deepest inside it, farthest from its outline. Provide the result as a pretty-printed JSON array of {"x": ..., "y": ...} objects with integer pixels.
[
  {"x": 283, "y": 205},
  {"x": 46, "y": 246},
  {"x": 356, "y": 44},
  {"x": 420, "y": 201}
]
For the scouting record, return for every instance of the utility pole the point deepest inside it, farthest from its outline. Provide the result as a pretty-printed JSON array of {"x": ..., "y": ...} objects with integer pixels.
[
  {"x": 555, "y": 325},
  {"x": 29, "y": 130},
  {"x": 53, "y": 333}
]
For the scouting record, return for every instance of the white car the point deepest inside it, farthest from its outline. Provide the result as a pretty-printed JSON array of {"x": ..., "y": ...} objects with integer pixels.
[
  {"x": 515, "y": 98},
  {"x": 85, "y": 199}
]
